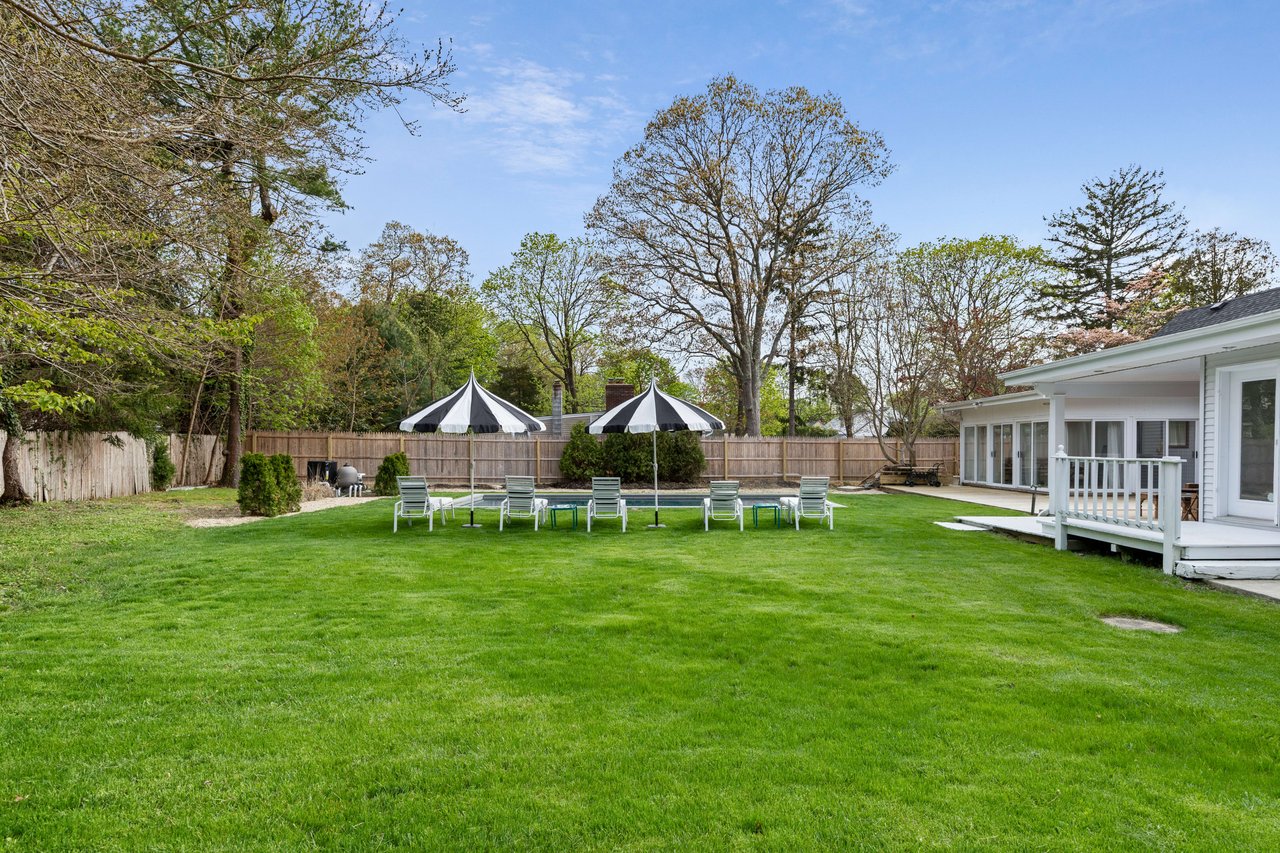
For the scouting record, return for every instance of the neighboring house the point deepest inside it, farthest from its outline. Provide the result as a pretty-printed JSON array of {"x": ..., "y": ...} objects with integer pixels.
[{"x": 1187, "y": 416}]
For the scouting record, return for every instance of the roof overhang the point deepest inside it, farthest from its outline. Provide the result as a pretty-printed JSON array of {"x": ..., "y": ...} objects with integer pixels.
[
  {"x": 999, "y": 400},
  {"x": 1237, "y": 334}
]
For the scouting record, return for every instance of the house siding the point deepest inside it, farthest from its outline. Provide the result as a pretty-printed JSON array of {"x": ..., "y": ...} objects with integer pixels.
[{"x": 1213, "y": 443}]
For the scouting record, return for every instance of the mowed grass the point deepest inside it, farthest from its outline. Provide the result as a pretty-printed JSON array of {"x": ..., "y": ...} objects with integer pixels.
[{"x": 316, "y": 682}]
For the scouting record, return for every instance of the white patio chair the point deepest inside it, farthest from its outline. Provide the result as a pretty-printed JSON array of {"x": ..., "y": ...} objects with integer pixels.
[
  {"x": 416, "y": 502},
  {"x": 606, "y": 501},
  {"x": 723, "y": 504},
  {"x": 811, "y": 502},
  {"x": 521, "y": 502}
]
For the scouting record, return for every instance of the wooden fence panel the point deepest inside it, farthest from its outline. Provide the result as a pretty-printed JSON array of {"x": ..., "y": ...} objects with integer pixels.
[{"x": 59, "y": 466}]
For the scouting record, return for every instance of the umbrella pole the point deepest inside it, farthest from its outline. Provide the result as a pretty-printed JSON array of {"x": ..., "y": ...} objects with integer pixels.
[
  {"x": 656, "y": 523},
  {"x": 472, "y": 503}
]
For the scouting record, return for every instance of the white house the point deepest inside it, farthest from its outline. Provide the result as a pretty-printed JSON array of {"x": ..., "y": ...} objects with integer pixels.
[{"x": 1167, "y": 444}]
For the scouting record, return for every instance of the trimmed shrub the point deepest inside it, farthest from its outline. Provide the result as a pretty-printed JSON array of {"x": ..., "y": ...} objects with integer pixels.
[
  {"x": 162, "y": 467},
  {"x": 630, "y": 456},
  {"x": 258, "y": 494},
  {"x": 582, "y": 457},
  {"x": 287, "y": 483},
  {"x": 395, "y": 465},
  {"x": 680, "y": 457}
]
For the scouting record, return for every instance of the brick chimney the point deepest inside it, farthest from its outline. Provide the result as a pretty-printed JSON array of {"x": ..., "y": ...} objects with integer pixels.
[
  {"x": 617, "y": 392},
  {"x": 557, "y": 408}
]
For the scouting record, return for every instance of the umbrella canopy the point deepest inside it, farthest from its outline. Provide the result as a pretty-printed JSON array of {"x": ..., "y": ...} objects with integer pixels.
[
  {"x": 656, "y": 411},
  {"x": 472, "y": 408}
]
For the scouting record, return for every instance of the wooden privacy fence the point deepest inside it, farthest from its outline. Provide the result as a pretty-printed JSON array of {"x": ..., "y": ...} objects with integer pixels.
[
  {"x": 443, "y": 458},
  {"x": 60, "y": 466}
]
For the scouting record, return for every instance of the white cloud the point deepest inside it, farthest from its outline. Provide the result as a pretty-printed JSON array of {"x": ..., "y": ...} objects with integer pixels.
[{"x": 540, "y": 120}]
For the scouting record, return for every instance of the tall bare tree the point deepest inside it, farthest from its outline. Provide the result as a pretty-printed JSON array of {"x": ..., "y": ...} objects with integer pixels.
[
  {"x": 733, "y": 196},
  {"x": 977, "y": 301},
  {"x": 1220, "y": 265}
]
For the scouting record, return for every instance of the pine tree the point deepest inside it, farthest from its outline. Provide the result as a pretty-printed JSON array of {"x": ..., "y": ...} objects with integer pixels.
[{"x": 1123, "y": 229}]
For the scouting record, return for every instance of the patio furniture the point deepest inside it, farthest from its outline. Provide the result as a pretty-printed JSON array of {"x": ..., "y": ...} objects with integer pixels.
[
  {"x": 606, "y": 501},
  {"x": 521, "y": 502},
  {"x": 569, "y": 508},
  {"x": 766, "y": 507},
  {"x": 723, "y": 504},
  {"x": 811, "y": 502},
  {"x": 921, "y": 475},
  {"x": 416, "y": 502}
]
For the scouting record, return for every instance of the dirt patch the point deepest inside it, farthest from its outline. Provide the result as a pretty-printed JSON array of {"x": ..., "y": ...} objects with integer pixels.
[
  {"x": 307, "y": 506},
  {"x": 1129, "y": 623}
]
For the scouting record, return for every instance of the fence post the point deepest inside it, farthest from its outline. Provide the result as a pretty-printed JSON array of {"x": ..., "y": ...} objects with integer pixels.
[
  {"x": 840, "y": 460},
  {"x": 402, "y": 442},
  {"x": 1170, "y": 508},
  {"x": 784, "y": 458},
  {"x": 328, "y": 446},
  {"x": 537, "y": 460},
  {"x": 725, "y": 460}
]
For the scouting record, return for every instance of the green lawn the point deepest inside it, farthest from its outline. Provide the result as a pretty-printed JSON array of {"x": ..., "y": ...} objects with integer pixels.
[{"x": 316, "y": 681}]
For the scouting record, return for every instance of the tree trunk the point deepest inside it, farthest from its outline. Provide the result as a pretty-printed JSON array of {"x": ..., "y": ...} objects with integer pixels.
[
  {"x": 14, "y": 493},
  {"x": 791, "y": 384},
  {"x": 749, "y": 398},
  {"x": 234, "y": 447}
]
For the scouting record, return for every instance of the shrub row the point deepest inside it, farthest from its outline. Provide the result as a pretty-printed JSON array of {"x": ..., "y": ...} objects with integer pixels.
[
  {"x": 630, "y": 457},
  {"x": 268, "y": 485}
]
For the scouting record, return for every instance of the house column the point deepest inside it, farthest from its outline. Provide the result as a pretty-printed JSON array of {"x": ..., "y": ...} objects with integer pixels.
[{"x": 1057, "y": 439}]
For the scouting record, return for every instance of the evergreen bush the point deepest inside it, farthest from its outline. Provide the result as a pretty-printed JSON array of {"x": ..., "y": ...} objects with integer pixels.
[
  {"x": 162, "y": 467},
  {"x": 680, "y": 457},
  {"x": 395, "y": 465},
  {"x": 582, "y": 457},
  {"x": 258, "y": 493},
  {"x": 287, "y": 484}
]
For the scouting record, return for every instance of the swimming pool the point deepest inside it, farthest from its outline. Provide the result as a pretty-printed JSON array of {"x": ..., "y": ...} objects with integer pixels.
[{"x": 635, "y": 500}]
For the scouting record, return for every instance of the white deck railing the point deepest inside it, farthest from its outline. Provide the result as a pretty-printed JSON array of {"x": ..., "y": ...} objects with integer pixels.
[{"x": 1138, "y": 494}]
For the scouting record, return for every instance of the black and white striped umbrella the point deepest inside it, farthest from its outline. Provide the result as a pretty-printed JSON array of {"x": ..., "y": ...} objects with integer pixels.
[
  {"x": 656, "y": 411},
  {"x": 472, "y": 408}
]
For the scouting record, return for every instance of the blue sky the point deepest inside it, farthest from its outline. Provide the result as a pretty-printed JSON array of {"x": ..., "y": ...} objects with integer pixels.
[{"x": 995, "y": 110}]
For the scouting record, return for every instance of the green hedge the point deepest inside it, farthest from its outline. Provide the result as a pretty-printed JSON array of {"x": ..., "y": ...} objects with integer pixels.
[
  {"x": 629, "y": 456},
  {"x": 582, "y": 458},
  {"x": 395, "y": 465},
  {"x": 268, "y": 485}
]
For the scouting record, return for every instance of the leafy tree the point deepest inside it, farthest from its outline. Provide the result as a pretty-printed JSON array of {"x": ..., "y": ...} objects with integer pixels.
[
  {"x": 733, "y": 198},
  {"x": 1220, "y": 265},
  {"x": 1123, "y": 228},
  {"x": 977, "y": 310},
  {"x": 404, "y": 262},
  {"x": 264, "y": 100},
  {"x": 555, "y": 297}
]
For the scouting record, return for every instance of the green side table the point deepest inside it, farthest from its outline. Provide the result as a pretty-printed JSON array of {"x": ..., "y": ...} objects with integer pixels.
[
  {"x": 570, "y": 508},
  {"x": 755, "y": 514}
]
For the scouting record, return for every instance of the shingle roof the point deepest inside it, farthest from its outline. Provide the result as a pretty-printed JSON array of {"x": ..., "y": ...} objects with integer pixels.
[{"x": 1232, "y": 309}]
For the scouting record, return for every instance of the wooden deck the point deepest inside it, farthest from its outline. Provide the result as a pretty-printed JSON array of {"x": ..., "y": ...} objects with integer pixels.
[{"x": 1205, "y": 549}]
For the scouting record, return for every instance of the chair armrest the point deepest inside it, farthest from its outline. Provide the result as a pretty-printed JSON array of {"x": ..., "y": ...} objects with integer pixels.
[
  {"x": 622, "y": 505},
  {"x": 399, "y": 505}
]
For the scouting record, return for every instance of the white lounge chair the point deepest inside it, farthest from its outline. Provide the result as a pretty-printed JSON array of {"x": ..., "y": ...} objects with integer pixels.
[
  {"x": 811, "y": 502},
  {"x": 416, "y": 502},
  {"x": 723, "y": 504},
  {"x": 606, "y": 501},
  {"x": 521, "y": 502}
]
